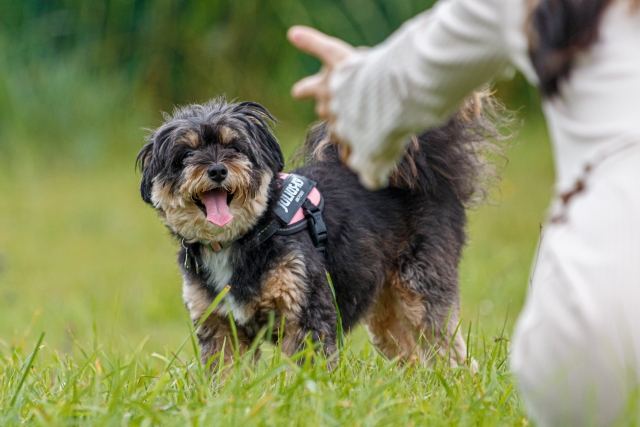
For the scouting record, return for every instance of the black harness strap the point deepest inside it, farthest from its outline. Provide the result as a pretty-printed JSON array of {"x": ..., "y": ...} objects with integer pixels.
[
  {"x": 263, "y": 235},
  {"x": 317, "y": 227}
]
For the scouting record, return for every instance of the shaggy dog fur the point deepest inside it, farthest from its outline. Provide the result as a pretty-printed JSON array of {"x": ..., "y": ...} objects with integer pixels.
[{"x": 393, "y": 254}]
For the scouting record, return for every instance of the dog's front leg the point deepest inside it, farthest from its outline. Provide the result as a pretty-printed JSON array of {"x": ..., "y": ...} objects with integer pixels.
[
  {"x": 296, "y": 333},
  {"x": 297, "y": 289},
  {"x": 218, "y": 344},
  {"x": 316, "y": 319},
  {"x": 215, "y": 335}
]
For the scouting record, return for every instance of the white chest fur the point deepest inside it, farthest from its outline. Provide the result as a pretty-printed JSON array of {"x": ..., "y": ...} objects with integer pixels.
[{"x": 218, "y": 265}]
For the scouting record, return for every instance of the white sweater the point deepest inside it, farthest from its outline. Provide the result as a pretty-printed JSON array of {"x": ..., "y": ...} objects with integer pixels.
[{"x": 418, "y": 77}]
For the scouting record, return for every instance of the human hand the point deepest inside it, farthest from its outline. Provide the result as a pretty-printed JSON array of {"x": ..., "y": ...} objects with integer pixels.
[{"x": 330, "y": 51}]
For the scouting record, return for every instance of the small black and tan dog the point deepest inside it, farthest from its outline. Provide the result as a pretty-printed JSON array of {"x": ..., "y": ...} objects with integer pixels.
[{"x": 212, "y": 173}]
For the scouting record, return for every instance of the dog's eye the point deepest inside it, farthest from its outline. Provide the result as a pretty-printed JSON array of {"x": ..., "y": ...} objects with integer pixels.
[
  {"x": 188, "y": 154},
  {"x": 233, "y": 149}
]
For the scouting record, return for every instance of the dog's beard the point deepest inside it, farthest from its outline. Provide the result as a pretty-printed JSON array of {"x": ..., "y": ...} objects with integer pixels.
[{"x": 185, "y": 213}]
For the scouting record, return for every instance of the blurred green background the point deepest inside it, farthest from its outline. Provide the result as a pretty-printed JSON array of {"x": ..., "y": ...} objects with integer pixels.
[{"x": 80, "y": 80}]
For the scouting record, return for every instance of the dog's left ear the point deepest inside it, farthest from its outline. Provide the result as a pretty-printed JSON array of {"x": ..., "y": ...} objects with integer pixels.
[
  {"x": 144, "y": 163},
  {"x": 262, "y": 122}
]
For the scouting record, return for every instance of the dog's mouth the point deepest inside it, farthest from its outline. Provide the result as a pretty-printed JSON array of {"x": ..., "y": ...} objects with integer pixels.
[{"x": 215, "y": 205}]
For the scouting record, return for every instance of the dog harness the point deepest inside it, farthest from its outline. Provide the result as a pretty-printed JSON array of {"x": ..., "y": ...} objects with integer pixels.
[{"x": 299, "y": 207}]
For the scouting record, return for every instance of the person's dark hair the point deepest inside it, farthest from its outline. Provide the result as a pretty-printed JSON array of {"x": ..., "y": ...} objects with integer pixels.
[{"x": 560, "y": 29}]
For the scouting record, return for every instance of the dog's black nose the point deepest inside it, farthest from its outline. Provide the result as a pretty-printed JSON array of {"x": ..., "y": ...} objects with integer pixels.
[{"x": 217, "y": 173}]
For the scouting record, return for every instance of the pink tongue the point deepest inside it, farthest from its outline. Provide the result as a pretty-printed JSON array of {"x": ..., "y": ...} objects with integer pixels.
[{"x": 217, "y": 209}]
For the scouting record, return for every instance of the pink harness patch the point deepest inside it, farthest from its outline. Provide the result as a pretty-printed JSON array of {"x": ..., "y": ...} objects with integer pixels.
[{"x": 313, "y": 197}]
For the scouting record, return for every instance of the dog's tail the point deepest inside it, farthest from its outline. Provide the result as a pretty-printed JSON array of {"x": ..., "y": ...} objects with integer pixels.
[{"x": 460, "y": 154}]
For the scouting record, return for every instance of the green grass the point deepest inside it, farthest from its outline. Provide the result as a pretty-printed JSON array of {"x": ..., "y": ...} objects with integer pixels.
[
  {"x": 142, "y": 388},
  {"x": 83, "y": 260}
]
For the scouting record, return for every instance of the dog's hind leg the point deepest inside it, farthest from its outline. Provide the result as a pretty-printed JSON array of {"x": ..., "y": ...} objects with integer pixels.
[
  {"x": 428, "y": 296},
  {"x": 389, "y": 325},
  {"x": 446, "y": 342},
  {"x": 400, "y": 325}
]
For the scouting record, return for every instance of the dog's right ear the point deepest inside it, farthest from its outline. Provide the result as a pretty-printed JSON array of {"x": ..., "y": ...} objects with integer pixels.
[{"x": 145, "y": 164}]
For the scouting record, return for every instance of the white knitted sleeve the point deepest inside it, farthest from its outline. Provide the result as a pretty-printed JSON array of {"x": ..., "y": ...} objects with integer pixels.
[{"x": 415, "y": 79}]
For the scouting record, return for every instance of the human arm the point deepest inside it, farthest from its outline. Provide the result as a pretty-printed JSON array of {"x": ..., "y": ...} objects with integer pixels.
[{"x": 414, "y": 80}]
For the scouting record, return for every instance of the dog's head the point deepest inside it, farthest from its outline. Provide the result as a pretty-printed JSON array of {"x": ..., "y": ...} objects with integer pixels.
[{"x": 207, "y": 169}]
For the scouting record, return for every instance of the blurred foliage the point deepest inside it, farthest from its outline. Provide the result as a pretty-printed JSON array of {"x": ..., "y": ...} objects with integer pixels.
[
  {"x": 71, "y": 69},
  {"x": 175, "y": 47},
  {"x": 80, "y": 77}
]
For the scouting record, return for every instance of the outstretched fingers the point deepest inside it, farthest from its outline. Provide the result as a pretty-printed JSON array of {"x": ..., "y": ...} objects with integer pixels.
[
  {"x": 310, "y": 87},
  {"x": 330, "y": 51},
  {"x": 327, "y": 49}
]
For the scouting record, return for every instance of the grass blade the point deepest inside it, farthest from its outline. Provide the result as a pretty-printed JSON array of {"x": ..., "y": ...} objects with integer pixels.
[
  {"x": 339, "y": 330},
  {"x": 26, "y": 371}
]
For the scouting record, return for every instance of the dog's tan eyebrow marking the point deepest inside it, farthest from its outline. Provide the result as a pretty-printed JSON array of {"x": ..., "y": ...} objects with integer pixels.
[
  {"x": 255, "y": 120},
  {"x": 190, "y": 138},
  {"x": 227, "y": 134}
]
